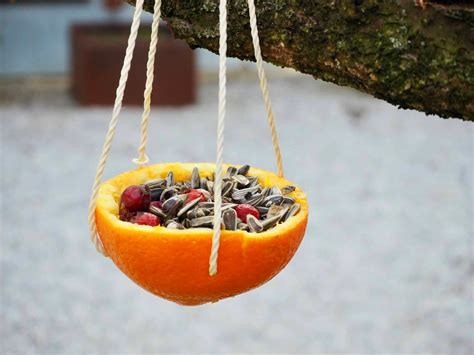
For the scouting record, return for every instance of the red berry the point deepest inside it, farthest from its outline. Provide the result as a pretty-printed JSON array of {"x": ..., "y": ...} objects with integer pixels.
[
  {"x": 244, "y": 210},
  {"x": 124, "y": 214},
  {"x": 135, "y": 198},
  {"x": 146, "y": 218},
  {"x": 194, "y": 194},
  {"x": 158, "y": 204}
]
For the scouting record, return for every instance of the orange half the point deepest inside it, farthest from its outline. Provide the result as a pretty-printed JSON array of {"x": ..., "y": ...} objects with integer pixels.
[{"x": 174, "y": 264}]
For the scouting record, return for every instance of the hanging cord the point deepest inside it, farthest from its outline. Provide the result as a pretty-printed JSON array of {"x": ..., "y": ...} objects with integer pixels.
[
  {"x": 113, "y": 124},
  {"x": 221, "y": 117},
  {"x": 142, "y": 157},
  {"x": 263, "y": 85},
  {"x": 220, "y": 137}
]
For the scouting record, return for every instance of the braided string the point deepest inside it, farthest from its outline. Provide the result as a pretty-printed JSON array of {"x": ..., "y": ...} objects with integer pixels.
[
  {"x": 142, "y": 157},
  {"x": 221, "y": 117},
  {"x": 263, "y": 86},
  {"x": 113, "y": 125},
  {"x": 220, "y": 137}
]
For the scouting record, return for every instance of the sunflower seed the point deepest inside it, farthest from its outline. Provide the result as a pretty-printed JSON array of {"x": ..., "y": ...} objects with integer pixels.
[
  {"x": 253, "y": 181},
  {"x": 170, "y": 179},
  {"x": 157, "y": 183},
  {"x": 243, "y": 170},
  {"x": 245, "y": 193},
  {"x": 195, "y": 213},
  {"x": 155, "y": 193},
  {"x": 276, "y": 210},
  {"x": 227, "y": 188},
  {"x": 195, "y": 179},
  {"x": 262, "y": 210},
  {"x": 171, "y": 206},
  {"x": 203, "y": 184},
  {"x": 167, "y": 194},
  {"x": 206, "y": 204},
  {"x": 254, "y": 224},
  {"x": 266, "y": 192},
  {"x": 241, "y": 180},
  {"x": 271, "y": 222},
  {"x": 207, "y": 211},
  {"x": 276, "y": 190},
  {"x": 288, "y": 200},
  {"x": 210, "y": 186},
  {"x": 229, "y": 218},
  {"x": 157, "y": 212},
  {"x": 202, "y": 222},
  {"x": 255, "y": 200},
  {"x": 231, "y": 171},
  {"x": 174, "y": 225},
  {"x": 243, "y": 226},
  {"x": 293, "y": 210},
  {"x": 272, "y": 199},
  {"x": 186, "y": 186},
  {"x": 226, "y": 206},
  {"x": 288, "y": 189},
  {"x": 188, "y": 206}
]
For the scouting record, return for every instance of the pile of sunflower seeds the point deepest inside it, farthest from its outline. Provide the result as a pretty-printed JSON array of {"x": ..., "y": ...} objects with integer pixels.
[{"x": 275, "y": 205}]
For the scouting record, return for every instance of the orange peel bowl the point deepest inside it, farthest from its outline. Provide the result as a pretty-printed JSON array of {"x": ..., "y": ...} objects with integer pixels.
[{"x": 174, "y": 264}]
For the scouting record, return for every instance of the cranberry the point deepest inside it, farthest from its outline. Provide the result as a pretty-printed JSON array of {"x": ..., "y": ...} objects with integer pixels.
[
  {"x": 194, "y": 194},
  {"x": 244, "y": 210},
  {"x": 135, "y": 198},
  {"x": 146, "y": 218},
  {"x": 124, "y": 214}
]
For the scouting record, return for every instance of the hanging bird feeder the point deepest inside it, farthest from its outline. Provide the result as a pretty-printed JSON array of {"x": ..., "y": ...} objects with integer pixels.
[{"x": 192, "y": 264}]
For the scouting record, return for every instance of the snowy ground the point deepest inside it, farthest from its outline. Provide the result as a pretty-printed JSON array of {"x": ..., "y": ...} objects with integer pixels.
[{"x": 386, "y": 265}]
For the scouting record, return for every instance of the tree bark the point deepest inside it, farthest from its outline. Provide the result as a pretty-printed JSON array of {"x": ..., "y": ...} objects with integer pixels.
[{"x": 414, "y": 54}]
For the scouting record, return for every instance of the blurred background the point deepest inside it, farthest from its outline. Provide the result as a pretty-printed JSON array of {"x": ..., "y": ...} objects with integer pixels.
[{"x": 387, "y": 262}]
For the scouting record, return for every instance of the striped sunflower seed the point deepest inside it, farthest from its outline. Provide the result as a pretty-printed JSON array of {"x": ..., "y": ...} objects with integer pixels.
[
  {"x": 270, "y": 222},
  {"x": 170, "y": 179},
  {"x": 195, "y": 179},
  {"x": 229, "y": 218},
  {"x": 188, "y": 206},
  {"x": 254, "y": 224},
  {"x": 288, "y": 189},
  {"x": 241, "y": 180},
  {"x": 201, "y": 222},
  {"x": 243, "y": 170},
  {"x": 157, "y": 212},
  {"x": 231, "y": 171},
  {"x": 292, "y": 211}
]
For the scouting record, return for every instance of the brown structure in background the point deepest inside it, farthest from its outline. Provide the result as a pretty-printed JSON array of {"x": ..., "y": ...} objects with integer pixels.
[{"x": 97, "y": 55}]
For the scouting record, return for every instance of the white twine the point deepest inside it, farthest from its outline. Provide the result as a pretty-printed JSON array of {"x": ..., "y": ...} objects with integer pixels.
[
  {"x": 220, "y": 137},
  {"x": 113, "y": 124},
  {"x": 142, "y": 157},
  {"x": 221, "y": 118},
  {"x": 263, "y": 86}
]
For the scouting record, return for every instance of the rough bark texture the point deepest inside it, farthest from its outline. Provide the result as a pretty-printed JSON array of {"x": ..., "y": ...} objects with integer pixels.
[{"x": 414, "y": 54}]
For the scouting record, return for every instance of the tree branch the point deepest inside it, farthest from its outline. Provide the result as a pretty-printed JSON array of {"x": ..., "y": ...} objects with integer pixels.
[{"x": 415, "y": 54}]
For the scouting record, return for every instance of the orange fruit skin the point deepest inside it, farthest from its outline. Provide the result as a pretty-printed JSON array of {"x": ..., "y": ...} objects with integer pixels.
[{"x": 174, "y": 264}]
